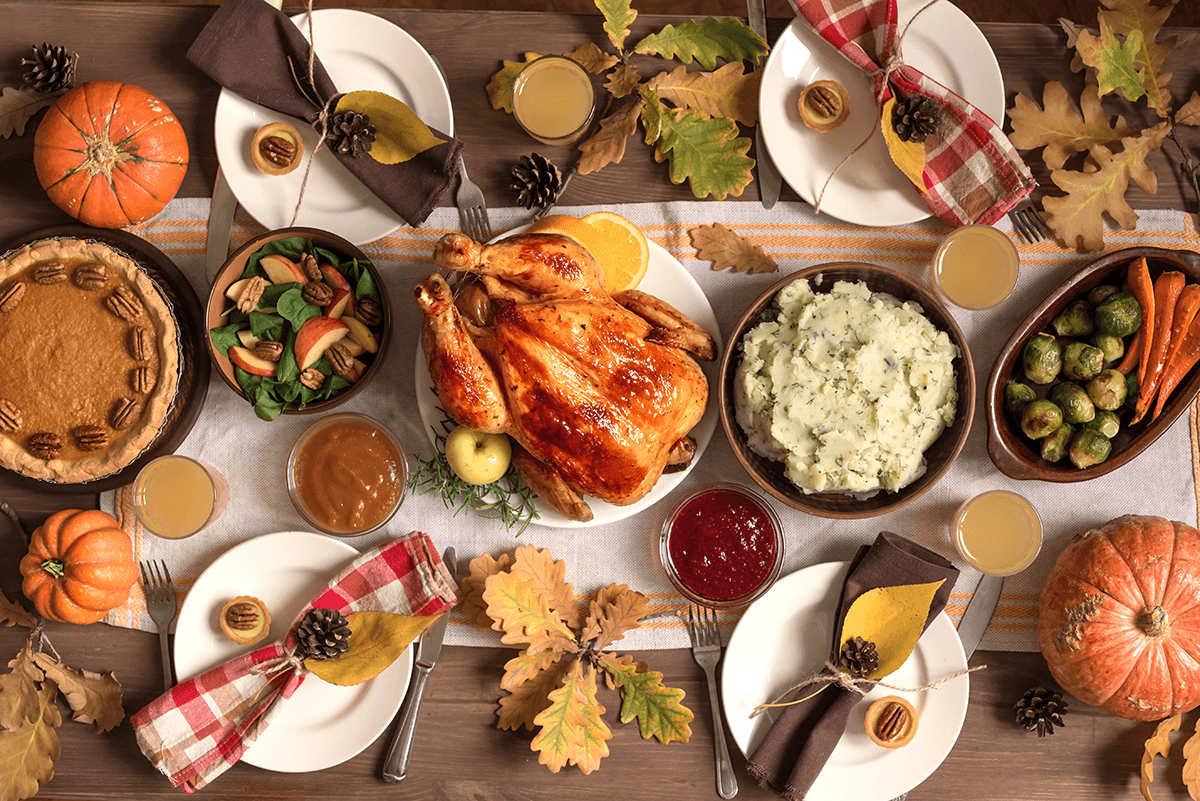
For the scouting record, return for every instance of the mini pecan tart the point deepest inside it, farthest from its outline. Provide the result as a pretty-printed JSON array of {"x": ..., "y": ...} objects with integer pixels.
[
  {"x": 77, "y": 419},
  {"x": 891, "y": 722},
  {"x": 245, "y": 620},
  {"x": 824, "y": 105},
  {"x": 277, "y": 148}
]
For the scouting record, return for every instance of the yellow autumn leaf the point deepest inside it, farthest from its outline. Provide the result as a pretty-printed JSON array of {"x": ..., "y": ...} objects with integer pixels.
[
  {"x": 376, "y": 640},
  {"x": 1159, "y": 744},
  {"x": 1191, "y": 763},
  {"x": 28, "y": 753},
  {"x": 472, "y": 587},
  {"x": 399, "y": 133},
  {"x": 592, "y": 58},
  {"x": 727, "y": 92},
  {"x": 607, "y": 145},
  {"x": 892, "y": 618},
  {"x": 908, "y": 156},
  {"x": 12, "y": 613},
  {"x": 727, "y": 250},
  {"x": 500, "y": 87}
]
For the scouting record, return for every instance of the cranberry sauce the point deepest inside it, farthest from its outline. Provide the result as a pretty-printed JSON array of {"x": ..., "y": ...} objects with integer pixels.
[{"x": 722, "y": 544}]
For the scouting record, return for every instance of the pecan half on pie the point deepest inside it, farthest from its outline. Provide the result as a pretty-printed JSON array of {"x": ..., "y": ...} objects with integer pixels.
[{"x": 89, "y": 360}]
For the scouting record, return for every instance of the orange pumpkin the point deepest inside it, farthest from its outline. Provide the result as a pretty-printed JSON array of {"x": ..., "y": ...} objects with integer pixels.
[
  {"x": 110, "y": 154},
  {"x": 80, "y": 565},
  {"x": 1118, "y": 618}
]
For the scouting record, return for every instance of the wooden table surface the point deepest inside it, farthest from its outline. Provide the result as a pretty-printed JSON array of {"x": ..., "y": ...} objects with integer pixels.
[{"x": 459, "y": 753}]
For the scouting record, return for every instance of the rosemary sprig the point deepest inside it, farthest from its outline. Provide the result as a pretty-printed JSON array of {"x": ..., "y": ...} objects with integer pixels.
[{"x": 509, "y": 499}]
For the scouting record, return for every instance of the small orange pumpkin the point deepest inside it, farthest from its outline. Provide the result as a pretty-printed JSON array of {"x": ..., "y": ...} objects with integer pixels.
[
  {"x": 110, "y": 154},
  {"x": 80, "y": 565}
]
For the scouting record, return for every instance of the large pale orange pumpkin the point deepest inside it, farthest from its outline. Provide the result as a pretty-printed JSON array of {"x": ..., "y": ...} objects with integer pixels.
[
  {"x": 80, "y": 565},
  {"x": 1119, "y": 618},
  {"x": 110, "y": 154}
]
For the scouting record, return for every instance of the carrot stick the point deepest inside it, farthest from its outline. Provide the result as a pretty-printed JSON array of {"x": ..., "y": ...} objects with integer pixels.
[
  {"x": 1167, "y": 289},
  {"x": 1185, "y": 309},
  {"x": 1133, "y": 356},
  {"x": 1140, "y": 287},
  {"x": 1186, "y": 356}
]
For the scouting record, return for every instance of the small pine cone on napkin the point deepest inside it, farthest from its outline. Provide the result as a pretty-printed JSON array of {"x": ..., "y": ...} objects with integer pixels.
[
  {"x": 536, "y": 181},
  {"x": 859, "y": 657},
  {"x": 323, "y": 634},
  {"x": 915, "y": 119},
  {"x": 351, "y": 133}
]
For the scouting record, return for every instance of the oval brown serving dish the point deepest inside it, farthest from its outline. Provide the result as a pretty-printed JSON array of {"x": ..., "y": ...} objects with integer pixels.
[
  {"x": 1009, "y": 449},
  {"x": 769, "y": 474}
]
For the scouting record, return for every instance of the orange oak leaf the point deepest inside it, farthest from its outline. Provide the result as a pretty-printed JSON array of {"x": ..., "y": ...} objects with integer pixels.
[
  {"x": 549, "y": 579},
  {"x": 524, "y": 666},
  {"x": 727, "y": 92},
  {"x": 571, "y": 729},
  {"x": 93, "y": 698},
  {"x": 607, "y": 145},
  {"x": 592, "y": 58},
  {"x": 471, "y": 589},
  {"x": 28, "y": 753},
  {"x": 726, "y": 250},
  {"x": 526, "y": 701},
  {"x": 525, "y": 615},
  {"x": 13, "y": 614},
  {"x": 1058, "y": 128},
  {"x": 1159, "y": 744},
  {"x": 617, "y": 614},
  {"x": 624, "y": 79}
]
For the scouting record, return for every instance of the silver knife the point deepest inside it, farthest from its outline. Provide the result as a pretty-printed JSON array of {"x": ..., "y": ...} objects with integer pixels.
[
  {"x": 220, "y": 226},
  {"x": 979, "y": 612},
  {"x": 769, "y": 180},
  {"x": 395, "y": 767}
]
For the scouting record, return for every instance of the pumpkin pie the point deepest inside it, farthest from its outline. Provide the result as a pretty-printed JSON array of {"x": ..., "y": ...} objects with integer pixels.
[{"x": 89, "y": 360}]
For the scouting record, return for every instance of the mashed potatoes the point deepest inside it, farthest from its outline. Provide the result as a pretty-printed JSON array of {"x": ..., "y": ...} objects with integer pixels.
[{"x": 847, "y": 389}]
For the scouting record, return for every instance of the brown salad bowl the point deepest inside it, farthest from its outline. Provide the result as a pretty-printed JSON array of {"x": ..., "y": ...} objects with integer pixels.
[
  {"x": 1019, "y": 457},
  {"x": 770, "y": 474}
]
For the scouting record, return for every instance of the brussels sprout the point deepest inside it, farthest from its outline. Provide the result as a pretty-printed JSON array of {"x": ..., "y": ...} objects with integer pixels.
[
  {"x": 1089, "y": 448},
  {"x": 1016, "y": 397},
  {"x": 1076, "y": 406},
  {"x": 1105, "y": 422},
  {"x": 1102, "y": 293},
  {"x": 1054, "y": 446},
  {"x": 1112, "y": 347},
  {"x": 1131, "y": 391},
  {"x": 1108, "y": 389},
  {"x": 1042, "y": 358},
  {"x": 1119, "y": 315},
  {"x": 1075, "y": 320},
  {"x": 1081, "y": 361},
  {"x": 1040, "y": 418}
]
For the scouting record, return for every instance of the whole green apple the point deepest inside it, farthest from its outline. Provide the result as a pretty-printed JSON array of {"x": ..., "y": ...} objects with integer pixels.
[{"x": 478, "y": 457}]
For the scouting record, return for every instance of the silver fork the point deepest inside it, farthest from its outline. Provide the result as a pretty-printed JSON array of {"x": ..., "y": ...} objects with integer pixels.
[
  {"x": 1028, "y": 222},
  {"x": 160, "y": 603},
  {"x": 472, "y": 210},
  {"x": 706, "y": 649}
]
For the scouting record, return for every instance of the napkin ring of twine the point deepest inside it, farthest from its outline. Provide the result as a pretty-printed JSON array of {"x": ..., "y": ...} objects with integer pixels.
[
  {"x": 893, "y": 63},
  {"x": 277, "y": 666},
  {"x": 322, "y": 123},
  {"x": 834, "y": 675}
]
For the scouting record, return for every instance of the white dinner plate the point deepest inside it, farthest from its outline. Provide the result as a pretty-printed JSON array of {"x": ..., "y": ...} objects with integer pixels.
[
  {"x": 869, "y": 189},
  {"x": 786, "y": 635},
  {"x": 322, "y": 724},
  {"x": 668, "y": 280},
  {"x": 359, "y": 51}
]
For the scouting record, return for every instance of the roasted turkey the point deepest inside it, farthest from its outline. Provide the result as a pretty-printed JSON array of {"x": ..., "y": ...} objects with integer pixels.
[{"x": 598, "y": 391}]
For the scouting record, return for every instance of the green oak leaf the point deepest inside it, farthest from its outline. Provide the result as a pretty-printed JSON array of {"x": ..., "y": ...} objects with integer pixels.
[
  {"x": 706, "y": 152},
  {"x": 705, "y": 41},
  {"x": 618, "y": 16},
  {"x": 1114, "y": 61},
  {"x": 659, "y": 709}
]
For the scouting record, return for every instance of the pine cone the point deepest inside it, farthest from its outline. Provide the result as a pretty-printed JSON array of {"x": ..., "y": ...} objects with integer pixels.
[
  {"x": 52, "y": 68},
  {"x": 915, "y": 118},
  {"x": 351, "y": 133},
  {"x": 1041, "y": 709},
  {"x": 323, "y": 634},
  {"x": 536, "y": 181},
  {"x": 859, "y": 657}
]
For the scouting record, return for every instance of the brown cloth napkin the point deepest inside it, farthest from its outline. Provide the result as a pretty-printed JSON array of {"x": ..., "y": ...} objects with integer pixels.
[
  {"x": 245, "y": 48},
  {"x": 801, "y": 739}
]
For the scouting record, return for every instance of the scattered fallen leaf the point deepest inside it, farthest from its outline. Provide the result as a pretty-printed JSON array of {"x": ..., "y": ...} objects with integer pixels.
[
  {"x": 727, "y": 92},
  {"x": 526, "y": 701},
  {"x": 525, "y": 665},
  {"x": 93, "y": 698},
  {"x": 728, "y": 251},
  {"x": 1113, "y": 61},
  {"x": 12, "y": 613},
  {"x": 500, "y": 87},
  {"x": 618, "y": 16},
  {"x": 707, "y": 153},
  {"x": 17, "y": 107},
  {"x": 549, "y": 580},
  {"x": 376, "y": 640},
  {"x": 891, "y": 617},
  {"x": 1189, "y": 112},
  {"x": 592, "y": 58},
  {"x": 28, "y": 753},
  {"x": 1159, "y": 744},
  {"x": 471, "y": 589},
  {"x": 525, "y": 615},
  {"x": 705, "y": 41},
  {"x": 1191, "y": 763},
  {"x": 610, "y": 620},
  {"x": 1125, "y": 17},
  {"x": 607, "y": 145},
  {"x": 18, "y": 690},
  {"x": 658, "y": 709},
  {"x": 400, "y": 135},
  {"x": 571, "y": 729},
  {"x": 1059, "y": 129},
  {"x": 624, "y": 79}
]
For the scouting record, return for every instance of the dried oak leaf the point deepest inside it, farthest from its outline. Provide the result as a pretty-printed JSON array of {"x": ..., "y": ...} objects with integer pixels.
[
  {"x": 1191, "y": 763},
  {"x": 526, "y": 701},
  {"x": 726, "y": 92},
  {"x": 623, "y": 660},
  {"x": 18, "y": 690},
  {"x": 1159, "y": 744},
  {"x": 1189, "y": 112},
  {"x": 13, "y": 614},
  {"x": 705, "y": 41},
  {"x": 28, "y": 753},
  {"x": 618, "y": 16},
  {"x": 93, "y": 698},
  {"x": 1124, "y": 17},
  {"x": 549, "y": 580},
  {"x": 1076, "y": 218},
  {"x": 1114, "y": 61},
  {"x": 1072, "y": 30},
  {"x": 659, "y": 709},
  {"x": 500, "y": 87},
  {"x": 572, "y": 729},
  {"x": 617, "y": 610},
  {"x": 525, "y": 615},
  {"x": 607, "y": 145},
  {"x": 707, "y": 153},
  {"x": 592, "y": 58},
  {"x": 17, "y": 107},
  {"x": 726, "y": 250},
  {"x": 525, "y": 666},
  {"x": 471, "y": 589},
  {"x": 624, "y": 79},
  {"x": 1058, "y": 128}
]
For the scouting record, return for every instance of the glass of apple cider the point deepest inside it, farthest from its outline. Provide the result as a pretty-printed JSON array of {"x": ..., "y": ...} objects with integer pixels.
[
  {"x": 998, "y": 532},
  {"x": 553, "y": 100},
  {"x": 975, "y": 267},
  {"x": 176, "y": 496}
]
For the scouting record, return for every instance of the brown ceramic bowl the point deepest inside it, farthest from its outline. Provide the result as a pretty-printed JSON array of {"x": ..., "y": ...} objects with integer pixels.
[
  {"x": 232, "y": 270},
  {"x": 1017, "y": 456},
  {"x": 770, "y": 474}
]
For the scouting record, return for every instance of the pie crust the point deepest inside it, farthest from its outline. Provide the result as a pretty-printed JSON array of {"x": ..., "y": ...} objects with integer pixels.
[{"x": 71, "y": 357}]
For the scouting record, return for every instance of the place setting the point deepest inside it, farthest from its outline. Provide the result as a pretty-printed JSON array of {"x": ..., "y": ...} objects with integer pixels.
[{"x": 741, "y": 487}]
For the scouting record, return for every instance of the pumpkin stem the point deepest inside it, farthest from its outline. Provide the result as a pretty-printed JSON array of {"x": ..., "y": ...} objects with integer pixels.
[
  {"x": 54, "y": 567},
  {"x": 1154, "y": 622}
]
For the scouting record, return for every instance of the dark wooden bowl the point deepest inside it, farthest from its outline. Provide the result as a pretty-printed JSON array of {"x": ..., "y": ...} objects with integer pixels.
[
  {"x": 1010, "y": 450},
  {"x": 232, "y": 271},
  {"x": 769, "y": 474}
]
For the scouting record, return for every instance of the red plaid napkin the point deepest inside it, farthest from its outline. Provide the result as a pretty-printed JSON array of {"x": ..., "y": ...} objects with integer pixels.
[
  {"x": 972, "y": 172},
  {"x": 198, "y": 729}
]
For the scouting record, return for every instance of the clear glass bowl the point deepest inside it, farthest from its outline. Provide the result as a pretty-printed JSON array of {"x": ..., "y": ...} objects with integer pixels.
[
  {"x": 350, "y": 482},
  {"x": 720, "y": 544}
]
